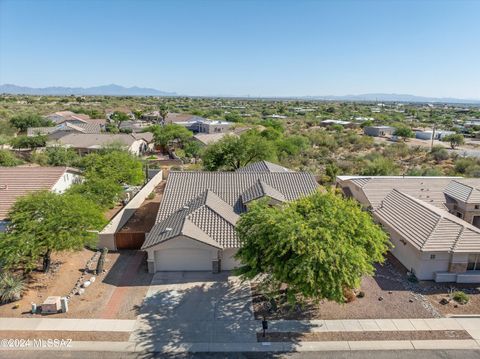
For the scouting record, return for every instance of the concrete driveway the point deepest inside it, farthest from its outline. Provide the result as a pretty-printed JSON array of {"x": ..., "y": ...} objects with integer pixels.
[{"x": 195, "y": 307}]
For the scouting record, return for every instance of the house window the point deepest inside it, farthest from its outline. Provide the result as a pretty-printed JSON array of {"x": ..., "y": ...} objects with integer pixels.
[
  {"x": 477, "y": 206},
  {"x": 432, "y": 256},
  {"x": 473, "y": 262}
]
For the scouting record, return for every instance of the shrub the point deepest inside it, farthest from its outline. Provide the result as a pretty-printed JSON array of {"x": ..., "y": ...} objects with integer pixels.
[
  {"x": 8, "y": 159},
  {"x": 11, "y": 287},
  {"x": 460, "y": 297}
]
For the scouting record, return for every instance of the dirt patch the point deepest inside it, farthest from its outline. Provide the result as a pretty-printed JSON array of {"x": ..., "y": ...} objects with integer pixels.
[
  {"x": 364, "y": 336},
  {"x": 75, "y": 336},
  {"x": 144, "y": 217},
  {"x": 387, "y": 296},
  {"x": 67, "y": 268}
]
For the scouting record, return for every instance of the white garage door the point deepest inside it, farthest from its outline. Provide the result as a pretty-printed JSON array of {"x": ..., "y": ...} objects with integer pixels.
[{"x": 184, "y": 259}]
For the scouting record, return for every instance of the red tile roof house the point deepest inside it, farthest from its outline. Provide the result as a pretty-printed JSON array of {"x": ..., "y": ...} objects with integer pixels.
[{"x": 16, "y": 182}]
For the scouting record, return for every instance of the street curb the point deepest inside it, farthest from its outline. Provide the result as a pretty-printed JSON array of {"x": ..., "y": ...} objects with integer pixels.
[{"x": 83, "y": 346}]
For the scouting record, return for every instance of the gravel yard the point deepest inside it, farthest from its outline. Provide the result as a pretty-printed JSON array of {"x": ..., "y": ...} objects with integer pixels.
[
  {"x": 66, "y": 270},
  {"x": 388, "y": 295},
  {"x": 361, "y": 336}
]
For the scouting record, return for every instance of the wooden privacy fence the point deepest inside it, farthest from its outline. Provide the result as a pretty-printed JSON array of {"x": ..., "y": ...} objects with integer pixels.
[{"x": 129, "y": 240}]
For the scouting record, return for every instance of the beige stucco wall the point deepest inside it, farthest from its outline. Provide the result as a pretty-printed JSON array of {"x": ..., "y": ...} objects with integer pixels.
[
  {"x": 228, "y": 262},
  {"x": 420, "y": 262}
]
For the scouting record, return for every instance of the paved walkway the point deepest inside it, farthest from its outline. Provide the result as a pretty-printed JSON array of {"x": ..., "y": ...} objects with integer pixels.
[
  {"x": 118, "y": 295},
  {"x": 67, "y": 325}
]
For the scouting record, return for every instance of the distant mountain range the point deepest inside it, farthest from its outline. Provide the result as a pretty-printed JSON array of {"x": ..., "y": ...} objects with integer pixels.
[
  {"x": 106, "y": 90},
  {"x": 387, "y": 97},
  {"x": 116, "y": 90}
]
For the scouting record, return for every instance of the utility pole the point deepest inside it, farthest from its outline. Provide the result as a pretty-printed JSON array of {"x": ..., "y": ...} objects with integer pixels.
[{"x": 433, "y": 136}]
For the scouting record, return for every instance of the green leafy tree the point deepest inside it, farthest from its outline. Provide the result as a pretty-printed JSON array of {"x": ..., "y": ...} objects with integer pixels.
[
  {"x": 120, "y": 167},
  {"x": 455, "y": 139},
  {"x": 232, "y": 152},
  {"x": 45, "y": 222},
  {"x": 404, "y": 132},
  {"x": 62, "y": 156},
  {"x": 8, "y": 159},
  {"x": 119, "y": 116},
  {"x": 319, "y": 246},
  {"x": 21, "y": 142},
  {"x": 165, "y": 135},
  {"x": 102, "y": 191},
  {"x": 24, "y": 121}
]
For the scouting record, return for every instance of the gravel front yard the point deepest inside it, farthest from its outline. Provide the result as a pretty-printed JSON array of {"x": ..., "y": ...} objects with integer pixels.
[
  {"x": 67, "y": 269},
  {"x": 388, "y": 295},
  {"x": 361, "y": 336}
]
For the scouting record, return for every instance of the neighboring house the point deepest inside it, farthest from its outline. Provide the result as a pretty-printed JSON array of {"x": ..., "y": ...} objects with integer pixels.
[
  {"x": 195, "y": 229},
  {"x": 427, "y": 135},
  {"x": 62, "y": 116},
  {"x": 86, "y": 143},
  {"x": 346, "y": 124},
  {"x": 194, "y": 123},
  {"x": 66, "y": 127},
  {"x": 378, "y": 131},
  {"x": 16, "y": 182},
  {"x": 433, "y": 222},
  {"x": 208, "y": 138},
  {"x": 134, "y": 125}
]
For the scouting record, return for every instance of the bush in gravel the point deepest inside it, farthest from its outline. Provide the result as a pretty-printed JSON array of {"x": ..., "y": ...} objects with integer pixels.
[
  {"x": 460, "y": 297},
  {"x": 11, "y": 287}
]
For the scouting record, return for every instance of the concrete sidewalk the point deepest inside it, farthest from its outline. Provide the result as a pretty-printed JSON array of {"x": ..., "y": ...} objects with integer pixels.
[{"x": 67, "y": 325}]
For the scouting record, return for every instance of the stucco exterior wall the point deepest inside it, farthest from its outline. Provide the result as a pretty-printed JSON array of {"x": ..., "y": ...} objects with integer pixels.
[
  {"x": 422, "y": 264},
  {"x": 228, "y": 262},
  {"x": 66, "y": 181}
]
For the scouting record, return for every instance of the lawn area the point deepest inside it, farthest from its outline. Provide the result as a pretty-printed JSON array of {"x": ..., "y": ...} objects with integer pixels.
[{"x": 97, "y": 300}]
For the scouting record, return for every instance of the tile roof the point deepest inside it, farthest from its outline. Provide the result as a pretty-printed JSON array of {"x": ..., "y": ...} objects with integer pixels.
[
  {"x": 263, "y": 166},
  {"x": 84, "y": 140},
  {"x": 19, "y": 181},
  {"x": 207, "y": 138},
  {"x": 464, "y": 190},
  {"x": 425, "y": 226},
  {"x": 206, "y": 218},
  {"x": 212, "y": 201},
  {"x": 261, "y": 189},
  {"x": 428, "y": 189},
  {"x": 93, "y": 126}
]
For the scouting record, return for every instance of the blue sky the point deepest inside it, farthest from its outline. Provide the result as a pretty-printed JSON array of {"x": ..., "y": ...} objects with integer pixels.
[{"x": 257, "y": 48}]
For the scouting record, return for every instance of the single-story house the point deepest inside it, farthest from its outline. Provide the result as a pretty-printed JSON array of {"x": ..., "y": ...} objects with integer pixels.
[
  {"x": 208, "y": 138},
  {"x": 378, "y": 131},
  {"x": 134, "y": 125},
  {"x": 427, "y": 134},
  {"x": 433, "y": 222},
  {"x": 16, "y": 182},
  {"x": 195, "y": 226},
  {"x": 194, "y": 123},
  {"x": 86, "y": 143},
  {"x": 66, "y": 127},
  {"x": 347, "y": 124},
  {"x": 62, "y": 116}
]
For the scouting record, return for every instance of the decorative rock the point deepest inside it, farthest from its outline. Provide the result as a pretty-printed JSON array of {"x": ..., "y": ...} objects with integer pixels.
[
  {"x": 380, "y": 298},
  {"x": 80, "y": 291},
  {"x": 92, "y": 279},
  {"x": 444, "y": 301},
  {"x": 389, "y": 292},
  {"x": 86, "y": 284},
  {"x": 410, "y": 300}
]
